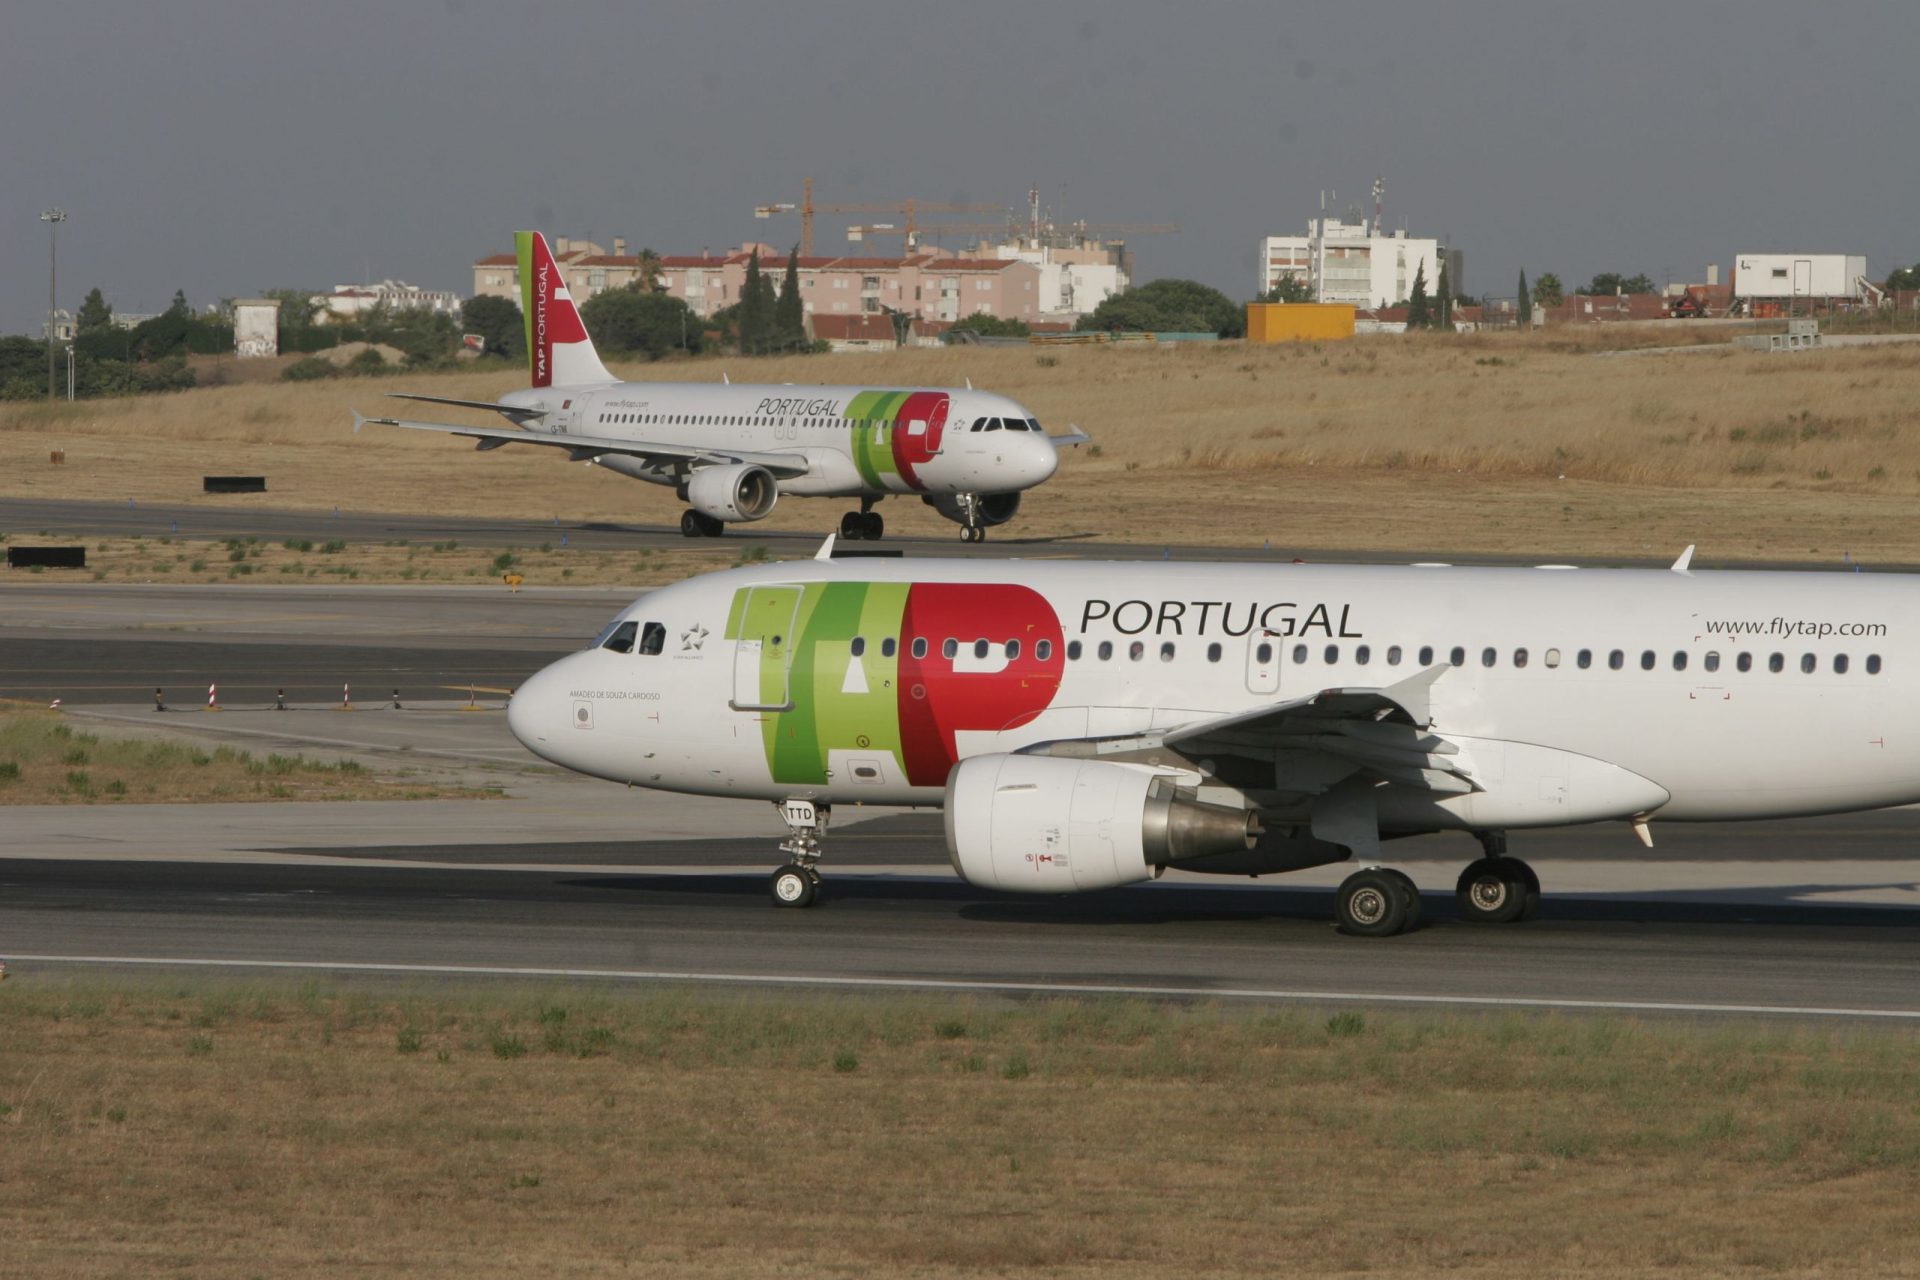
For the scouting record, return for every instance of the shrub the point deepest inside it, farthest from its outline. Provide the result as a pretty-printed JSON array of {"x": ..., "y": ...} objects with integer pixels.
[{"x": 311, "y": 369}]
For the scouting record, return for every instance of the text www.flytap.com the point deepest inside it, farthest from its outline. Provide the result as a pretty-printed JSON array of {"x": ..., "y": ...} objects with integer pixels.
[{"x": 1784, "y": 627}]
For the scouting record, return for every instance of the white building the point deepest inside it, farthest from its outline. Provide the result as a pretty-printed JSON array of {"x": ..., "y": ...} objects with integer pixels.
[
  {"x": 1799, "y": 275},
  {"x": 1074, "y": 278},
  {"x": 256, "y": 327},
  {"x": 1349, "y": 262},
  {"x": 395, "y": 295}
]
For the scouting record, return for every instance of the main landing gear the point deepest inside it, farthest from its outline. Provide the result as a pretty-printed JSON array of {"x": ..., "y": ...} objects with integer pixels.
[
  {"x": 864, "y": 524},
  {"x": 698, "y": 524},
  {"x": 798, "y": 883},
  {"x": 1378, "y": 902}
]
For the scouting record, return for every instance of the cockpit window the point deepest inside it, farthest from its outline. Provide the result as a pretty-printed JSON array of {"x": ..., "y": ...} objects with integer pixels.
[
  {"x": 993, "y": 424},
  {"x": 653, "y": 638},
  {"x": 1016, "y": 424},
  {"x": 621, "y": 638},
  {"x": 1033, "y": 424},
  {"x": 979, "y": 424}
]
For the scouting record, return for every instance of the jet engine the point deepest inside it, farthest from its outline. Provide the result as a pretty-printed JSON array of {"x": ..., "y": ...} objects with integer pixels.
[
  {"x": 994, "y": 508},
  {"x": 739, "y": 491},
  {"x": 1044, "y": 824}
]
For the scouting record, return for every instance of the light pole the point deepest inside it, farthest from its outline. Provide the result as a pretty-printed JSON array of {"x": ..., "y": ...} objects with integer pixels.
[{"x": 53, "y": 218}]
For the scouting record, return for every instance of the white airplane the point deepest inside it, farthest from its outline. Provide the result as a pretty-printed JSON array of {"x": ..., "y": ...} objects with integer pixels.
[
  {"x": 1086, "y": 725},
  {"x": 730, "y": 451}
]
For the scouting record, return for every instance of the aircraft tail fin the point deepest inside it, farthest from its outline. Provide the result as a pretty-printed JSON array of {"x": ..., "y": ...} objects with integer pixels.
[{"x": 559, "y": 352}]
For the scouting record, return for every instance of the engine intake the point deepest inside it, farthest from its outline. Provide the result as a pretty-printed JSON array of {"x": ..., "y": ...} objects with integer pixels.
[
  {"x": 1044, "y": 824},
  {"x": 995, "y": 508},
  {"x": 738, "y": 491}
]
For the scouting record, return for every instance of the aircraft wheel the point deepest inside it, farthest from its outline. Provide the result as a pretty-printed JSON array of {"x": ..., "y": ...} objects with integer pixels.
[
  {"x": 876, "y": 527},
  {"x": 1495, "y": 891},
  {"x": 1372, "y": 903},
  {"x": 690, "y": 524},
  {"x": 1410, "y": 892},
  {"x": 794, "y": 886},
  {"x": 853, "y": 526}
]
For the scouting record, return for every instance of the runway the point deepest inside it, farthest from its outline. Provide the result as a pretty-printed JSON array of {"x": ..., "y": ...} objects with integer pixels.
[{"x": 218, "y": 518}]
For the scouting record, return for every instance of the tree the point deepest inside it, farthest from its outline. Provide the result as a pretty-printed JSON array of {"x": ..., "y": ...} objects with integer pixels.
[
  {"x": 95, "y": 315},
  {"x": 1419, "y": 315},
  {"x": 1169, "y": 306},
  {"x": 991, "y": 326},
  {"x": 1904, "y": 278},
  {"x": 1288, "y": 288},
  {"x": 1611, "y": 282},
  {"x": 1548, "y": 291},
  {"x": 789, "y": 321},
  {"x": 1525, "y": 304},
  {"x": 755, "y": 317},
  {"x": 649, "y": 271},
  {"x": 629, "y": 321},
  {"x": 1443, "y": 301},
  {"x": 498, "y": 322},
  {"x": 179, "y": 306}
]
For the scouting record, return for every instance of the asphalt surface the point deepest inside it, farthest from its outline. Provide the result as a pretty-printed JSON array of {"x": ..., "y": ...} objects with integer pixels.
[
  {"x": 1631, "y": 952},
  {"x": 224, "y": 518}
]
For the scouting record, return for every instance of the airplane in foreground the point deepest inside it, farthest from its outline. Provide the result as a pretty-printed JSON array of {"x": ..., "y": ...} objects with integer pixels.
[
  {"x": 1086, "y": 725},
  {"x": 730, "y": 450}
]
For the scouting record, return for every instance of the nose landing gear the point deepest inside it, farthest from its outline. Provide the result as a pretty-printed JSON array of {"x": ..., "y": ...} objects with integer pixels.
[
  {"x": 971, "y": 530},
  {"x": 798, "y": 883}
]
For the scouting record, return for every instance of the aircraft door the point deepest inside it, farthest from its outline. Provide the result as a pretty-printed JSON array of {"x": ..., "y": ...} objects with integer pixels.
[
  {"x": 763, "y": 650},
  {"x": 1263, "y": 662}
]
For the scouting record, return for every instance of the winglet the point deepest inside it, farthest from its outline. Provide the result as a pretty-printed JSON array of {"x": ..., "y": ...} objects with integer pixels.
[
  {"x": 826, "y": 549},
  {"x": 359, "y": 420},
  {"x": 969, "y": 384},
  {"x": 726, "y": 377},
  {"x": 1686, "y": 558}
]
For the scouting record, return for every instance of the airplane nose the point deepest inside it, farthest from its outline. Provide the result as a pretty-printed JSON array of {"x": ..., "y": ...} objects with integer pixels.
[
  {"x": 537, "y": 713},
  {"x": 1045, "y": 462}
]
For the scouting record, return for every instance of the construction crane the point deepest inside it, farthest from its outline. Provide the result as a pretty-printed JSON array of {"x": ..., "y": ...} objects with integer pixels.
[
  {"x": 911, "y": 209},
  {"x": 910, "y": 240}
]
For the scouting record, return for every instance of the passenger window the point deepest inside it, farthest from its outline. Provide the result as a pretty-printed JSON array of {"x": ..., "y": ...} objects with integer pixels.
[
  {"x": 1646, "y": 659},
  {"x": 950, "y": 648},
  {"x": 1519, "y": 657},
  {"x": 1711, "y": 662},
  {"x": 1551, "y": 657},
  {"x": 887, "y": 647},
  {"x": 1332, "y": 654},
  {"x": 1679, "y": 659},
  {"x": 1487, "y": 657},
  {"x": 1013, "y": 650},
  {"x": 1393, "y": 655},
  {"x": 1042, "y": 649},
  {"x": 621, "y": 638},
  {"x": 1426, "y": 655},
  {"x": 1105, "y": 650},
  {"x": 919, "y": 646},
  {"x": 1361, "y": 653},
  {"x": 980, "y": 648},
  {"x": 1839, "y": 664},
  {"x": 1073, "y": 651},
  {"x": 1776, "y": 662},
  {"x": 1873, "y": 664},
  {"x": 653, "y": 638},
  {"x": 859, "y": 646},
  {"x": 1616, "y": 660},
  {"x": 1458, "y": 657},
  {"x": 1808, "y": 662},
  {"x": 1213, "y": 652},
  {"x": 1584, "y": 659},
  {"x": 1166, "y": 651},
  {"x": 1744, "y": 662},
  {"x": 1137, "y": 650}
]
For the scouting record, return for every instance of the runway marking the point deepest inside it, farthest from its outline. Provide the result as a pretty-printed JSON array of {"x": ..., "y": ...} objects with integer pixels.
[{"x": 990, "y": 987}]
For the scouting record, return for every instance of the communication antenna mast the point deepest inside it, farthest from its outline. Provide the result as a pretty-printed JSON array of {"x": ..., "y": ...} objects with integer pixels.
[
  {"x": 1033, "y": 213},
  {"x": 1379, "y": 190}
]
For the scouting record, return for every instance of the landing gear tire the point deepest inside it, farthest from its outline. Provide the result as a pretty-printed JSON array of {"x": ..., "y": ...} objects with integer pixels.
[
  {"x": 973, "y": 533},
  {"x": 853, "y": 526},
  {"x": 876, "y": 527},
  {"x": 1410, "y": 892},
  {"x": 1497, "y": 891},
  {"x": 794, "y": 886},
  {"x": 1375, "y": 903},
  {"x": 695, "y": 524}
]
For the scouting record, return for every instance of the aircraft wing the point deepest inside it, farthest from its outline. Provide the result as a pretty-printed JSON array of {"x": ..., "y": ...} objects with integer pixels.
[
  {"x": 514, "y": 412},
  {"x": 1316, "y": 740},
  {"x": 1072, "y": 435},
  {"x": 586, "y": 448}
]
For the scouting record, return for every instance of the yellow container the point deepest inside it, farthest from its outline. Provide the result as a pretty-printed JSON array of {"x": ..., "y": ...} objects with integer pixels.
[{"x": 1298, "y": 321}]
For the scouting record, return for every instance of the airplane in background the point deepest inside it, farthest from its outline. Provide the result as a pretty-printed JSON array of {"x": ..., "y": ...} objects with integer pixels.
[
  {"x": 730, "y": 450},
  {"x": 1087, "y": 725}
]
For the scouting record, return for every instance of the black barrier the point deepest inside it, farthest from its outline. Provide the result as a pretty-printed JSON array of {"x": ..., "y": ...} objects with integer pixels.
[
  {"x": 233, "y": 484},
  {"x": 46, "y": 557}
]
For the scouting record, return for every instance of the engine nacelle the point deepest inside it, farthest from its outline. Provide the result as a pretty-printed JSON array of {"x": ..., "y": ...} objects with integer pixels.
[
  {"x": 995, "y": 508},
  {"x": 740, "y": 491},
  {"x": 1044, "y": 824}
]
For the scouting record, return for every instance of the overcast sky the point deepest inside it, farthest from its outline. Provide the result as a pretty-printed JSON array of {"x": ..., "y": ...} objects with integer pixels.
[{"x": 223, "y": 147}]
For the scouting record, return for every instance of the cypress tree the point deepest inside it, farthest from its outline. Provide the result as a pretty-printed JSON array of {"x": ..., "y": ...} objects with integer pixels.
[
  {"x": 1443, "y": 301},
  {"x": 1525, "y": 306},
  {"x": 1419, "y": 315},
  {"x": 756, "y": 319},
  {"x": 789, "y": 321}
]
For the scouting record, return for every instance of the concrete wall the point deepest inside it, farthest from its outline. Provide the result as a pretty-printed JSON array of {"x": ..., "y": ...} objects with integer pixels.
[{"x": 256, "y": 327}]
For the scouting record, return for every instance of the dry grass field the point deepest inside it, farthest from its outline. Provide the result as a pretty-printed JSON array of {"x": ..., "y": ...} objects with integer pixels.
[
  {"x": 1540, "y": 443},
  {"x": 149, "y": 1128},
  {"x": 46, "y": 760}
]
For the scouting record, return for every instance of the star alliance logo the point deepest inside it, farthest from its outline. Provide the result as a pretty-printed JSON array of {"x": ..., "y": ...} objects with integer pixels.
[{"x": 692, "y": 638}]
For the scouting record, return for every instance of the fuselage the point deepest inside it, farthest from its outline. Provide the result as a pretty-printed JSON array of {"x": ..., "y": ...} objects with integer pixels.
[
  {"x": 867, "y": 442},
  {"x": 1732, "y": 694}
]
